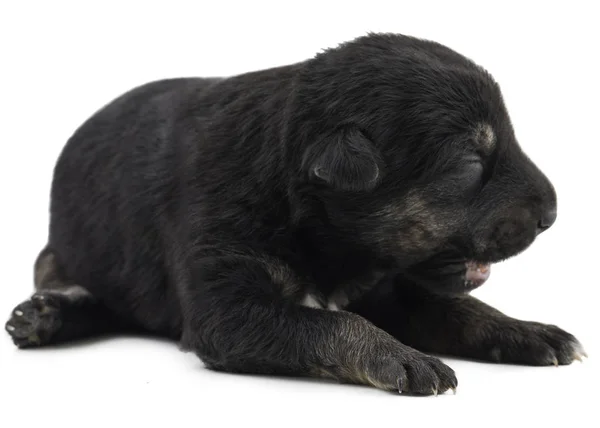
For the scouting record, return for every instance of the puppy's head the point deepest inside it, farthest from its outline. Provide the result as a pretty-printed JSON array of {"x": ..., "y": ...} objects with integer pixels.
[{"x": 408, "y": 153}]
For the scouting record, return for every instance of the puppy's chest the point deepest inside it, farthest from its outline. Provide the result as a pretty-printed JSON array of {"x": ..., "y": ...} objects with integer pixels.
[{"x": 336, "y": 297}]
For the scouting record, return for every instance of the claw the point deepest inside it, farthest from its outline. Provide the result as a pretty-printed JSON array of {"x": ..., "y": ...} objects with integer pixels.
[
  {"x": 555, "y": 362},
  {"x": 453, "y": 391},
  {"x": 400, "y": 385},
  {"x": 10, "y": 327},
  {"x": 578, "y": 358},
  {"x": 435, "y": 391},
  {"x": 579, "y": 351},
  {"x": 19, "y": 313},
  {"x": 37, "y": 297}
]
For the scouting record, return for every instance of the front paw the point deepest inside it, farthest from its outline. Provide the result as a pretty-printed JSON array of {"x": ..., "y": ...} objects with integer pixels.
[
  {"x": 535, "y": 344},
  {"x": 407, "y": 371}
]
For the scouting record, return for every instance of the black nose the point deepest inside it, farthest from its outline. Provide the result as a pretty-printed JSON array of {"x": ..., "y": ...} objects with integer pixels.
[{"x": 547, "y": 220}]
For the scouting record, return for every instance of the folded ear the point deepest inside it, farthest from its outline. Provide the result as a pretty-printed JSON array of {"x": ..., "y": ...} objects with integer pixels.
[{"x": 346, "y": 160}]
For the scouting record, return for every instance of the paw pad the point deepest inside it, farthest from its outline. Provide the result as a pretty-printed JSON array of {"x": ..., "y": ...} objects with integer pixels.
[{"x": 34, "y": 321}]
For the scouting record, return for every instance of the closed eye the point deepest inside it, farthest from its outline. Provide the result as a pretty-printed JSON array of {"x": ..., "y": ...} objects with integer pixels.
[{"x": 470, "y": 177}]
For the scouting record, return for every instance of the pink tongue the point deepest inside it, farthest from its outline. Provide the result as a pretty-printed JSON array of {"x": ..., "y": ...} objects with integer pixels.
[{"x": 477, "y": 273}]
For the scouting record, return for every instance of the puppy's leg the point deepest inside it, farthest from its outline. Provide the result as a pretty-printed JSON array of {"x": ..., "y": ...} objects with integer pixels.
[
  {"x": 239, "y": 316},
  {"x": 466, "y": 327},
  {"x": 58, "y": 311}
]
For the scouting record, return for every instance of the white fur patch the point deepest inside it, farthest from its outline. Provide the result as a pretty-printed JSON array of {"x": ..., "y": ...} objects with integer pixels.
[
  {"x": 337, "y": 301},
  {"x": 311, "y": 302},
  {"x": 332, "y": 306},
  {"x": 72, "y": 291}
]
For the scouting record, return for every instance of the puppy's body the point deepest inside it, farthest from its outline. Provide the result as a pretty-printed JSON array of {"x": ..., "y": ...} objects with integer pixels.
[{"x": 241, "y": 215}]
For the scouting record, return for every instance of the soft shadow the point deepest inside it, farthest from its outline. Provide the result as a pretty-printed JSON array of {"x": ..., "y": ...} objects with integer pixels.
[
  {"x": 321, "y": 381},
  {"x": 88, "y": 341},
  {"x": 449, "y": 359}
]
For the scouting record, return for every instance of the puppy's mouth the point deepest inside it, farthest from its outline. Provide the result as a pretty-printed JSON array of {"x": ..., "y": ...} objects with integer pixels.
[
  {"x": 449, "y": 274},
  {"x": 476, "y": 274}
]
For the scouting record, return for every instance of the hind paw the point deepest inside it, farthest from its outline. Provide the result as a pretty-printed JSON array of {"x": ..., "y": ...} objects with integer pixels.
[{"x": 35, "y": 321}]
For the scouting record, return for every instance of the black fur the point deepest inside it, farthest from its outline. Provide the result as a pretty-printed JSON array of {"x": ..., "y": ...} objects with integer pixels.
[{"x": 217, "y": 211}]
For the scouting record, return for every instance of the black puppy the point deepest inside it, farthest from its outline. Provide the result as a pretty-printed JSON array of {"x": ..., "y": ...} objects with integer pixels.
[{"x": 327, "y": 218}]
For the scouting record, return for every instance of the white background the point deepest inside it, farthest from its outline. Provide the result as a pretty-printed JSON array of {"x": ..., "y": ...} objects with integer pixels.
[{"x": 60, "y": 62}]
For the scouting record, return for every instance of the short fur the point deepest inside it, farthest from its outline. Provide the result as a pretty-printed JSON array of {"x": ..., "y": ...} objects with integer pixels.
[{"x": 359, "y": 182}]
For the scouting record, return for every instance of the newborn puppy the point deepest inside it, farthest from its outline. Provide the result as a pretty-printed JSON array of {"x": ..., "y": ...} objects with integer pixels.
[{"x": 327, "y": 218}]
